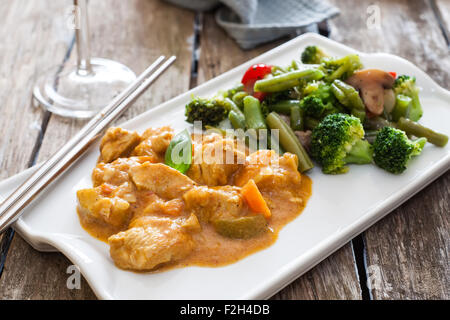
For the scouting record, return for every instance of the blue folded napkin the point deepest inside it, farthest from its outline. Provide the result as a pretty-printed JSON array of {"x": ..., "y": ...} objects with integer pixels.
[{"x": 253, "y": 22}]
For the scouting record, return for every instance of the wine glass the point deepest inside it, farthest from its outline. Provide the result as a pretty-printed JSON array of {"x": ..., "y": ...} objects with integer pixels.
[{"x": 81, "y": 90}]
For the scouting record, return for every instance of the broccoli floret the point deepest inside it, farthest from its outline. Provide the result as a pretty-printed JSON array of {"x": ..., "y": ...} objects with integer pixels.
[
  {"x": 393, "y": 150},
  {"x": 314, "y": 107},
  {"x": 320, "y": 102},
  {"x": 406, "y": 86},
  {"x": 312, "y": 55},
  {"x": 337, "y": 140},
  {"x": 340, "y": 68},
  {"x": 209, "y": 111}
]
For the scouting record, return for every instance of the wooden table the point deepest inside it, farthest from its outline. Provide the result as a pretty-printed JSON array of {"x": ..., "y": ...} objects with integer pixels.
[{"x": 405, "y": 256}]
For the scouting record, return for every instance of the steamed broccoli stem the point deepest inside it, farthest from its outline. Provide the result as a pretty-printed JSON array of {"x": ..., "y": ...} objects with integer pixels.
[
  {"x": 393, "y": 150},
  {"x": 406, "y": 85},
  {"x": 287, "y": 80},
  {"x": 402, "y": 104},
  {"x": 361, "y": 153},
  {"x": 418, "y": 130},
  {"x": 415, "y": 111}
]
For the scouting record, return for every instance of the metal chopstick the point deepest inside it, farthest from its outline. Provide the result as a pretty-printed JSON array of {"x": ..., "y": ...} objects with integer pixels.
[{"x": 12, "y": 207}]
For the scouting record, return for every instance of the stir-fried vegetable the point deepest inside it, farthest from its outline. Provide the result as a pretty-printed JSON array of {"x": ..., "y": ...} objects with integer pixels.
[
  {"x": 254, "y": 199},
  {"x": 337, "y": 141},
  {"x": 413, "y": 128},
  {"x": 406, "y": 85},
  {"x": 310, "y": 90},
  {"x": 241, "y": 228},
  {"x": 289, "y": 141},
  {"x": 253, "y": 114},
  {"x": 393, "y": 150},
  {"x": 287, "y": 80}
]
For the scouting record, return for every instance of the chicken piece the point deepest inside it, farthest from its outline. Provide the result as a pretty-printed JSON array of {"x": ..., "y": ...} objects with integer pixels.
[
  {"x": 163, "y": 180},
  {"x": 215, "y": 160},
  {"x": 172, "y": 207},
  {"x": 154, "y": 143},
  {"x": 118, "y": 142},
  {"x": 101, "y": 205},
  {"x": 269, "y": 171},
  {"x": 151, "y": 244},
  {"x": 214, "y": 203},
  {"x": 116, "y": 172}
]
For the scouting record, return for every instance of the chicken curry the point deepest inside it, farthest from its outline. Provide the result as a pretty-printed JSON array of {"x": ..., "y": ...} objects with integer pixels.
[{"x": 154, "y": 217}]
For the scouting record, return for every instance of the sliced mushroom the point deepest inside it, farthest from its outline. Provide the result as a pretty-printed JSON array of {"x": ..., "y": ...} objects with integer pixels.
[
  {"x": 371, "y": 84},
  {"x": 389, "y": 100}
]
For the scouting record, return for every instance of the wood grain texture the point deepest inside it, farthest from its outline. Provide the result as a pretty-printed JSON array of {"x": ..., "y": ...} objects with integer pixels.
[
  {"x": 335, "y": 277},
  {"x": 408, "y": 251},
  {"x": 135, "y": 33},
  {"x": 26, "y": 35},
  {"x": 443, "y": 6}
]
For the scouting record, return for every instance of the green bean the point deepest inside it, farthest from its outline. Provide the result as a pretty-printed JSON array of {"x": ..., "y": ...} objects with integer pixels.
[
  {"x": 297, "y": 118},
  {"x": 289, "y": 141},
  {"x": 253, "y": 114},
  {"x": 238, "y": 99},
  {"x": 230, "y": 92},
  {"x": 284, "y": 106},
  {"x": 401, "y": 107},
  {"x": 370, "y": 135},
  {"x": 237, "y": 121},
  {"x": 287, "y": 80},
  {"x": 347, "y": 95},
  {"x": 231, "y": 105},
  {"x": 420, "y": 131},
  {"x": 277, "y": 70},
  {"x": 311, "y": 123}
]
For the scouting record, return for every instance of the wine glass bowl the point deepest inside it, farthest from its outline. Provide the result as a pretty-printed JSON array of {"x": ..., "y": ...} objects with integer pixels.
[
  {"x": 81, "y": 90},
  {"x": 69, "y": 91}
]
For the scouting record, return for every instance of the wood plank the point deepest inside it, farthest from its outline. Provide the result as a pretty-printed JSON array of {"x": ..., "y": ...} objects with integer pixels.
[
  {"x": 135, "y": 33},
  {"x": 407, "y": 252},
  {"x": 443, "y": 7},
  {"x": 335, "y": 277},
  {"x": 26, "y": 35}
]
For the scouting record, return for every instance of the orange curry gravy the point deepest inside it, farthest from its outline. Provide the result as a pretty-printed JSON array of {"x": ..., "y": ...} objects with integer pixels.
[{"x": 133, "y": 182}]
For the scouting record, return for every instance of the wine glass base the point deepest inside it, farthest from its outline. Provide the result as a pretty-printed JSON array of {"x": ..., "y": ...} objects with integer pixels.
[{"x": 65, "y": 91}]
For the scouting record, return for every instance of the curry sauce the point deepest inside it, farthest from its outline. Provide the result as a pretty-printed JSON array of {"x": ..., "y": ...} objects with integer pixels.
[{"x": 155, "y": 218}]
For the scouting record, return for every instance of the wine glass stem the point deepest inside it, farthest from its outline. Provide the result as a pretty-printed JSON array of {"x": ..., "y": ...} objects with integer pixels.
[{"x": 82, "y": 39}]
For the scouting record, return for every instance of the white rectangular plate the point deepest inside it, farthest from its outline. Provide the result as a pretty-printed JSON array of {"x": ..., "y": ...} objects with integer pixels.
[{"x": 341, "y": 206}]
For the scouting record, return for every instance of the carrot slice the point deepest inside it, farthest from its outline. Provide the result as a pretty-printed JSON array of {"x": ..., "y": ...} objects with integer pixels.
[{"x": 254, "y": 199}]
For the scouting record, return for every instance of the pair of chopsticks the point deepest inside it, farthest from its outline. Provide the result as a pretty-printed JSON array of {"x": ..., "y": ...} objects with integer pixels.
[{"x": 12, "y": 207}]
